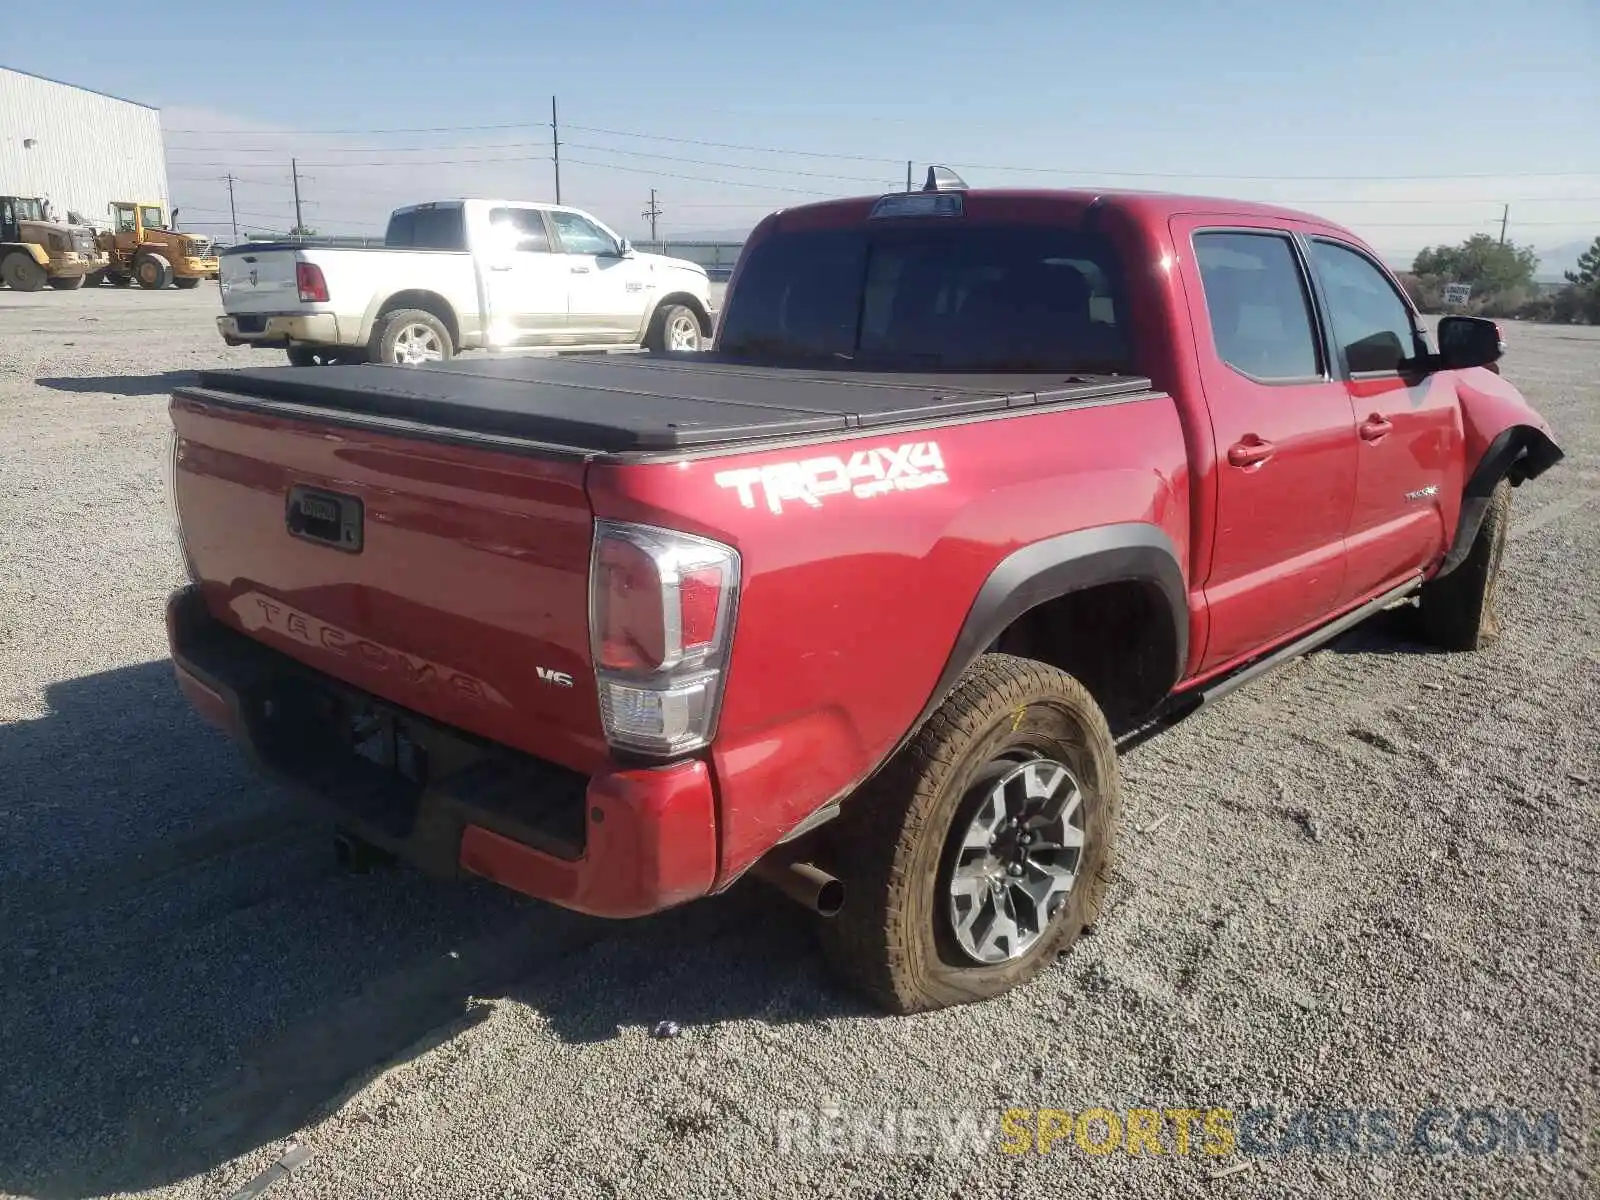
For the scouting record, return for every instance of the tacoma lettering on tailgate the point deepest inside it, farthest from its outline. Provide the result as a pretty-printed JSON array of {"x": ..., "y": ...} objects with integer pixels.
[
  {"x": 865, "y": 474},
  {"x": 257, "y": 612}
]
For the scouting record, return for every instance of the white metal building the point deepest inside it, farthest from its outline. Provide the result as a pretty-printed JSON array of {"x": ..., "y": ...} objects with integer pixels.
[{"x": 77, "y": 148}]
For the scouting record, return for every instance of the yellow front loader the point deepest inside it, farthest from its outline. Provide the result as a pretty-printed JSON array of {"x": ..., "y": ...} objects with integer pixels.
[{"x": 143, "y": 250}]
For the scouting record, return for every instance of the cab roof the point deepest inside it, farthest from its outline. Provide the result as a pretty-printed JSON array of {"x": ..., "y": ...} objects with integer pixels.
[{"x": 1146, "y": 206}]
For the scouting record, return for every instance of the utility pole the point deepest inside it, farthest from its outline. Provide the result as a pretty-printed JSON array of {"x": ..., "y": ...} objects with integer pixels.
[
  {"x": 555, "y": 146},
  {"x": 232, "y": 212},
  {"x": 908, "y": 174},
  {"x": 294, "y": 170},
  {"x": 1505, "y": 216},
  {"x": 652, "y": 213}
]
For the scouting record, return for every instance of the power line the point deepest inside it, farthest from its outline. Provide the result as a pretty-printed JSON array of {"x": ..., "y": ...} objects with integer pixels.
[
  {"x": 353, "y": 132},
  {"x": 658, "y": 137},
  {"x": 361, "y": 149},
  {"x": 767, "y": 187}
]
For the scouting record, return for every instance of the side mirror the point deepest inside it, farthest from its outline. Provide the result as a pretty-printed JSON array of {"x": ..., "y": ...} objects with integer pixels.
[
  {"x": 1469, "y": 342},
  {"x": 624, "y": 248}
]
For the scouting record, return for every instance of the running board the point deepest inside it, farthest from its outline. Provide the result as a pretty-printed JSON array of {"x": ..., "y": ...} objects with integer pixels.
[
  {"x": 1186, "y": 703},
  {"x": 1324, "y": 633}
]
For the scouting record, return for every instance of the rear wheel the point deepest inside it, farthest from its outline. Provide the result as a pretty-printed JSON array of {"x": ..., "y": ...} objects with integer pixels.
[
  {"x": 1458, "y": 611},
  {"x": 411, "y": 336},
  {"x": 21, "y": 273},
  {"x": 186, "y": 282},
  {"x": 674, "y": 327},
  {"x": 67, "y": 283},
  {"x": 152, "y": 271},
  {"x": 983, "y": 848}
]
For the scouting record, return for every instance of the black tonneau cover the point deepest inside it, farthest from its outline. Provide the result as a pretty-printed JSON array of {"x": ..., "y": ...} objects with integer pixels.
[{"x": 617, "y": 403}]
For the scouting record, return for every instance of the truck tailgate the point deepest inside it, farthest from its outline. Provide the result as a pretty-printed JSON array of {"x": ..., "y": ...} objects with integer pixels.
[
  {"x": 259, "y": 281},
  {"x": 448, "y": 580}
]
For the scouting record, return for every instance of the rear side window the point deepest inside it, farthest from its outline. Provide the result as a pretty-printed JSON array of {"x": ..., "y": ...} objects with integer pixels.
[
  {"x": 436, "y": 228},
  {"x": 523, "y": 228},
  {"x": 1256, "y": 299},
  {"x": 1371, "y": 322},
  {"x": 949, "y": 297}
]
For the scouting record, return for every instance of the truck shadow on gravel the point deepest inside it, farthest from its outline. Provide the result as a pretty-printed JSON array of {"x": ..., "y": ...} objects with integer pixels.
[
  {"x": 119, "y": 385},
  {"x": 187, "y": 976},
  {"x": 1392, "y": 631}
]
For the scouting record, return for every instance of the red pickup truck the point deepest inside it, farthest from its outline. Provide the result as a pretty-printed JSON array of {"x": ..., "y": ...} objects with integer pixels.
[{"x": 974, "y": 484}]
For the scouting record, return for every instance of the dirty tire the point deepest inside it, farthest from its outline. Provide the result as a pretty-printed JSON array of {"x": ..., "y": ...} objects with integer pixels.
[
  {"x": 187, "y": 282},
  {"x": 152, "y": 271},
  {"x": 396, "y": 330},
  {"x": 67, "y": 283},
  {"x": 674, "y": 327},
  {"x": 21, "y": 273},
  {"x": 1458, "y": 611},
  {"x": 894, "y": 939}
]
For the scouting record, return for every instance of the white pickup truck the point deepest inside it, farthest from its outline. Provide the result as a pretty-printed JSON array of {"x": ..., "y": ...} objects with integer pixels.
[{"x": 457, "y": 275}]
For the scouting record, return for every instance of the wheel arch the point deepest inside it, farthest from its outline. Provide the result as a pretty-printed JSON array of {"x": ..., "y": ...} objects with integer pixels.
[
  {"x": 1517, "y": 453},
  {"x": 418, "y": 298},
  {"x": 689, "y": 300},
  {"x": 31, "y": 249},
  {"x": 1127, "y": 573}
]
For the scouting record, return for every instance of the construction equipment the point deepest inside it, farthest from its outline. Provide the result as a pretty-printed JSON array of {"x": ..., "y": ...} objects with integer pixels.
[
  {"x": 143, "y": 250},
  {"x": 35, "y": 250}
]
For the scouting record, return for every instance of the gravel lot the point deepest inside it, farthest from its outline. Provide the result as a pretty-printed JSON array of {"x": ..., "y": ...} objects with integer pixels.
[{"x": 1373, "y": 887}]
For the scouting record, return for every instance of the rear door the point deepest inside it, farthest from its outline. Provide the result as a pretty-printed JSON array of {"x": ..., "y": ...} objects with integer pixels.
[
  {"x": 606, "y": 296},
  {"x": 526, "y": 281},
  {"x": 1284, "y": 435},
  {"x": 1408, "y": 454}
]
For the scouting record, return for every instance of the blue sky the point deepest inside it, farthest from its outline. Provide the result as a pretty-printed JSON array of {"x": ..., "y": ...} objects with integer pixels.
[{"x": 1398, "y": 103}]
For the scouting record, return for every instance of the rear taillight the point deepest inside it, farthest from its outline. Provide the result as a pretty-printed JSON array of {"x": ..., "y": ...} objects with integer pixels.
[
  {"x": 661, "y": 623},
  {"x": 313, "y": 287}
]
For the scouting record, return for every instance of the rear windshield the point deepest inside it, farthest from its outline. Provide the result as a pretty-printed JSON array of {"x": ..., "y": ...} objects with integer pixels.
[
  {"x": 440, "y": 228},
  {"x": 949, "y": 297}
]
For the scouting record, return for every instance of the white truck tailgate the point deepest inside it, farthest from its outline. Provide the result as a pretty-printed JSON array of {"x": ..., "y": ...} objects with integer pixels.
[{"x": 260, "y": 281}]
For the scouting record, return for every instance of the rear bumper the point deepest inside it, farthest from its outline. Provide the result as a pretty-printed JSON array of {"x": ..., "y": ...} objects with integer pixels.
[
  {"x": 279, "y": 330},
  {"x": 618, "y": 844}
]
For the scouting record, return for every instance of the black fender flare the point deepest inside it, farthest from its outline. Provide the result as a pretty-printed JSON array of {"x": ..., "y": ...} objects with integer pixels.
[
  {"x": 1517, "y": 453},
  {"x": 1132, "y": 551}
]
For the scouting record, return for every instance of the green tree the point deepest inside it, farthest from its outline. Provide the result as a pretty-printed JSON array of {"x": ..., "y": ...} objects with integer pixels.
[
  {"x": 1588, "y": 272},
  {"x": 1493, "y": 269}
]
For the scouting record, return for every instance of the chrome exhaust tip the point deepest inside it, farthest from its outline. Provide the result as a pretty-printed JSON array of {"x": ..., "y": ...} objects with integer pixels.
[{"x": 805, "y": 883}]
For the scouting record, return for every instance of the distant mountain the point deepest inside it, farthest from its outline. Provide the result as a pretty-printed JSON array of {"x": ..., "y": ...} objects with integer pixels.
[
  {"x": 1554, "y": 260},
  {"x": 709, "y": 235}
]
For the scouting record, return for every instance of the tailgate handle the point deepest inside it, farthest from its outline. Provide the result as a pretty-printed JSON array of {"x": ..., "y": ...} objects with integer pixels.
[
  {"x": 326, "y": 518},
  {"x": 249, "y": 258}
]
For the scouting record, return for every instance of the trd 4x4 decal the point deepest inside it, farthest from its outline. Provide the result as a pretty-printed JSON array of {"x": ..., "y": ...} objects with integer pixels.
[{"x": 866, "y": 473}]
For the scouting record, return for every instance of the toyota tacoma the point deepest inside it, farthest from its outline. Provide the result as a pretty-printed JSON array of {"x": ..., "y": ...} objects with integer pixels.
[{"x": 975, "y": 484}]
